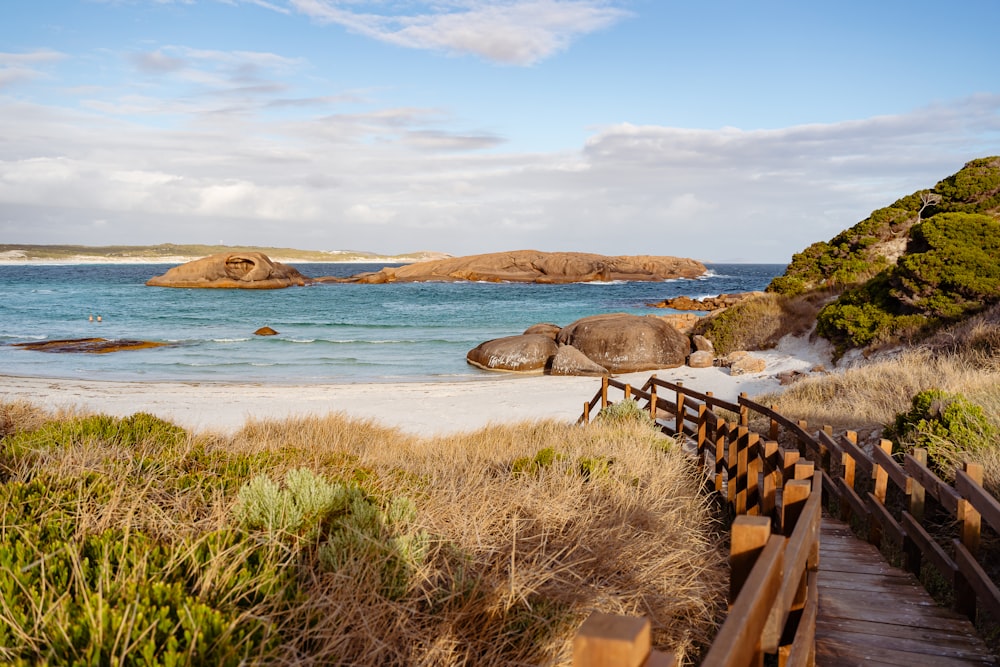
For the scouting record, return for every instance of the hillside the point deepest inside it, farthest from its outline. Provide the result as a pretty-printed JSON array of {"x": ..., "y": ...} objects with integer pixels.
[
  {"x": 170, "y": 252},
  {"x": 928, "y": 260},
  {"x": 877, "y": 242}
]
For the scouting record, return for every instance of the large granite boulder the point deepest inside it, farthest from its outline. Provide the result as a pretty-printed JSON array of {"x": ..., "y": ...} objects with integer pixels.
[
  {"x": 523, "y": 354},
  {"x": 243, "y": 270},
  {"x": 537, "y": 267},
  {"x": 571, "y": 361},
  {"x": 625, "y": 343}
]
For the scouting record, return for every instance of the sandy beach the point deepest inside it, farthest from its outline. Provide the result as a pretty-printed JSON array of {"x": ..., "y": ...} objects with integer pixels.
[{"x": 421, "y": 408}]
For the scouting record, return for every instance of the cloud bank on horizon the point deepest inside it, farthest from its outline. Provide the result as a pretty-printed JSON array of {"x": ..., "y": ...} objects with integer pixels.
[{"x": 721, "y": 131}]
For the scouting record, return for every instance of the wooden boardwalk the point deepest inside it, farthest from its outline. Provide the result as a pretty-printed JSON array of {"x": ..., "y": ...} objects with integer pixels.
[{"x": 871, "y": 613}]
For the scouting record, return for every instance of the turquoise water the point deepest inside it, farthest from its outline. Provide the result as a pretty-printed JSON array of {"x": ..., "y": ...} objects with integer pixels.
[{"x": 328, "y": 333}]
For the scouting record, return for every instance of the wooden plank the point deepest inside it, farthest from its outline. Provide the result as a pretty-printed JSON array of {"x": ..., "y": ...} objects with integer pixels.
[
  {"x": 798, "y": 550},
  {"x": 953, "y": 635},
  {"x": 853, "y": 499},
  {"x": 945, "y": 565},
  {"x": 894, "y": 650},
  {"x": 803, "y": 648},
  {"x": 938, "y": 489},
  {"x": 986, "y": 591},
  {"x": 858, "y": 454},
  {"x": 896, "y": 472},
  {"x": 739, "y": 636},
  {"x": 985, "y": 504},
  {"x": 890, "y": 527}
]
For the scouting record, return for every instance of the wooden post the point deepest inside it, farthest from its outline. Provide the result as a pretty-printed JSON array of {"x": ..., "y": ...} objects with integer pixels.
[
  {"x": 971, "y": 521},
  {"x": 628, "y": 392},
  {"x": 770, "y": 479},
  {"x": 804, "y": 425},
  {"x": 917, "y": 495},
  {"x": 773, "y": 432},
  {"x": 732, "y": 461},
  {"x": 702, "y": 435},
  {"x": 721, "y": 433},
  {"x": 604, "y": 392},
  {"x": 680, "y": 411},
  {"x": 789, "y": 459},
  {"x": 754, "y": 468},
  {"x": 742, "y": 451},
  {"x": 750, "y": 535},
  {"x": 847, "y": 462},
  {"x": 881, "y": 476},
  {"x": 652, "y": 402},
  {"x": 605, "y": 640},
  {"x": 744, "y": 412},
  {"x": 793, "y": 500},
  {"x": 586, "y": 412}
]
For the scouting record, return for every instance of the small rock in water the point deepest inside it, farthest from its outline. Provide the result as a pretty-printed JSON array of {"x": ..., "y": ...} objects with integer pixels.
[{"x": 265, "y": 331}]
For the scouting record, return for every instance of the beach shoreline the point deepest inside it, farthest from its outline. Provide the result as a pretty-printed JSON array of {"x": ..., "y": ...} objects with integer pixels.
[{"x": 423, "y": 408}]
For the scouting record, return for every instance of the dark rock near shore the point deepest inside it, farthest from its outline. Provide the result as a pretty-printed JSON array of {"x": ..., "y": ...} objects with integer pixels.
[
  {"x": 89, "y": 345},
  {"x": 625, "y": 343},
  {"x": 229, "y": 270},
  {"x": 710, "y": 303},
  {"x": 265, "y": 331}
]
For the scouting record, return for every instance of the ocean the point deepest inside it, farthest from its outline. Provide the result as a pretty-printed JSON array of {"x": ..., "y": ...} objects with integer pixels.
[{"x": 343, "y": 333}]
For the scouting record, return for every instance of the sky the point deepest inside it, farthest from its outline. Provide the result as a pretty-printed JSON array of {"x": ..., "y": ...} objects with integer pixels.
[{"x": 723, "y": 130}]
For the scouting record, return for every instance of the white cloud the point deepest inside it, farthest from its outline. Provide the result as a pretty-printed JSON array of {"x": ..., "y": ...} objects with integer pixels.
[
  {"x": 510, "y": 32},
  {"x": 394, "y": 179},
  {"x": 21, "y": 67}
]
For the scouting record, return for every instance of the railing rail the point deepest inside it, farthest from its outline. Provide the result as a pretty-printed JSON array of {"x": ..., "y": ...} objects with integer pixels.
[{"x": 782, "y": 544}]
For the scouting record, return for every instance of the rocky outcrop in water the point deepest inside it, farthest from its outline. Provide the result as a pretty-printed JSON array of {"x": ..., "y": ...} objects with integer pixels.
[
  {"x": 532, "y": 266},
  {"x": 248, "y": 270},
  {"x": 89, "y": 345}
]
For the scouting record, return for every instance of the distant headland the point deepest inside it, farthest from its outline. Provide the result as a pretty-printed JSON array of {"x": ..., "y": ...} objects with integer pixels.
[
  {"x": 255, "y": 270},
  {"x": 171, "y": 253}
]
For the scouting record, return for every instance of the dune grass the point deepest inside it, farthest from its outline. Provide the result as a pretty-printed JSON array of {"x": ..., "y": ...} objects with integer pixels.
[{"x": 337, "y": 541}]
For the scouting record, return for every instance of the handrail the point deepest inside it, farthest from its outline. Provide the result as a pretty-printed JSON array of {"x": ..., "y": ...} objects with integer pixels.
[{"x": 747, "y": 471}]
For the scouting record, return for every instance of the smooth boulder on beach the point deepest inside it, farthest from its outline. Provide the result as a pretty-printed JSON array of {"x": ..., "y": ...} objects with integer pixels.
[
  {"x": 520, "y": 354},
  {"x": 231, "y": 270},
  {"x": 624, "y": 343}
]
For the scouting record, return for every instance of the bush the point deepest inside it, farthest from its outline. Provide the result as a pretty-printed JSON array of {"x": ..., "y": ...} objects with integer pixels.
[
  {"x": 758, "y": 323},
  {"x": 950, "y": 272},
  {"x": 947, "y": 425}
]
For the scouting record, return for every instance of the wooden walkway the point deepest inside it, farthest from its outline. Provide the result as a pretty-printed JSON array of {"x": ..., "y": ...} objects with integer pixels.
[{"x": 871, "y": 613}]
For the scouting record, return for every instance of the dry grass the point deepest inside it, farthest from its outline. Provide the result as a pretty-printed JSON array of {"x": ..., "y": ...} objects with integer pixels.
[{"x": 514, "y": 559}]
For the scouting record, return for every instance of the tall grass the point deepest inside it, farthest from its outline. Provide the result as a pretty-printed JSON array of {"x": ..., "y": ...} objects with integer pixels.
[{"x": 337, "y": 541}]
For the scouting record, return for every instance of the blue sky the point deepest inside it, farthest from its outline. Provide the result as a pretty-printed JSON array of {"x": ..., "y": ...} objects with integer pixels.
[{"x": 725, "y": 131}]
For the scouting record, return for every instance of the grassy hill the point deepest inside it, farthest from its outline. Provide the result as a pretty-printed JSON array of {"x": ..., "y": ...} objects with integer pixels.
[{"x": 172, "y": 252}]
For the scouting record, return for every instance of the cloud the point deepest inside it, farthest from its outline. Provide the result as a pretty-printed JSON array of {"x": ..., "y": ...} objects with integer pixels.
[
  {"x": 400, "y": 178},
  {"x": 21, "y": 67},
  {"x": 509, "y": 32}
]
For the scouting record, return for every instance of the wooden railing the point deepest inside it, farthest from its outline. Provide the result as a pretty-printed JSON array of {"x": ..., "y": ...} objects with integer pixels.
[{"x": 777, "y": 498}]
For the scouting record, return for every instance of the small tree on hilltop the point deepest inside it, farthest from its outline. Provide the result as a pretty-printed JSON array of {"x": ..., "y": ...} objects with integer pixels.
[{"x": 927, "y": 198}]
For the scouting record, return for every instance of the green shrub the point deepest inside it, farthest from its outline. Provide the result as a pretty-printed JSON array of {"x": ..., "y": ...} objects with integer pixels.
[
  {"x": 530, "y": 465},
  {"x": 626, "y": 411},
  {"x": 945, "y": 424},
  {"x": 951, "y": 271}
]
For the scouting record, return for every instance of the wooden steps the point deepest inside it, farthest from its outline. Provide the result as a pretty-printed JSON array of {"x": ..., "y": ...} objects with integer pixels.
[{"x": 871, "y": 613}]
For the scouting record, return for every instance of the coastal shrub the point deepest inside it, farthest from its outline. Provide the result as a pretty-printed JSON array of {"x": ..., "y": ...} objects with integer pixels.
[
  {"x": 946, "y": 424},
  {"x": 952, "y": 270},
  {"x": 130, "y": 432},
  {"x": 117, "y": 595},
  {"x": 626, "y": 411},
  {"x": 530, "y": 465},
  {"x": 758, "y": 323}
]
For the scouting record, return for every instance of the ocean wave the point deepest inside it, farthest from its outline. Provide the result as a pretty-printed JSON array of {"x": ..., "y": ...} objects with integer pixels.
[
  {"x": 229, "y": 340},
  {"x": 23, "y": 336}
]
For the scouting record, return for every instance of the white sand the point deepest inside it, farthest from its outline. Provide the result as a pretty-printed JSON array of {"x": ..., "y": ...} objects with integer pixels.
[{"x": 422, "y": 408}]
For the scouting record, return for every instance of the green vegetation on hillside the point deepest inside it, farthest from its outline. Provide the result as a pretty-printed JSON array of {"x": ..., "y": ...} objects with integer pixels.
[
  {"x": 951, "y": 270},
  {"x": 871, "y": 246},
  {"x": 169, "y": 250},
  {"x": 929, "y": 259}
]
